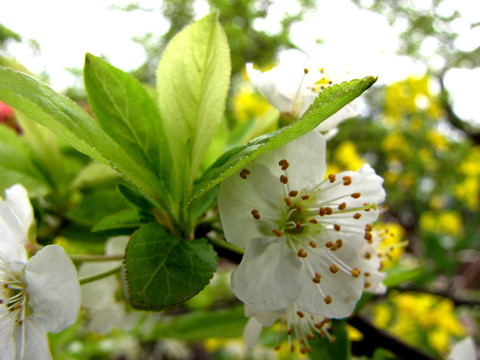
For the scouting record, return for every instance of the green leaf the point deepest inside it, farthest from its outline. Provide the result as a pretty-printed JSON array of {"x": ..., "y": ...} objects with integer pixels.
[
  {"x": 67, "y": 120},
  {"x": 120, "y": 223},
  {"x": 328, "y": 102},
  {"x": 200, "y": 325},
  {"x": 163, "y": 271},
  {"x": 126, "y": 113},
  {"x": 17, "y": 164},
  {"x": 135, "y": 198},
  {"x": 192, "y": 82},
  {"x": 398, "y": 275}
]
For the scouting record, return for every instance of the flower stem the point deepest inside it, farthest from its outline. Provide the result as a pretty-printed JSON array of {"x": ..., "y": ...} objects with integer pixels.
[
  {"x": 95, "y": 277},
  {"x": 225, "y": 245},
  {"x": 88, "y": 257}
]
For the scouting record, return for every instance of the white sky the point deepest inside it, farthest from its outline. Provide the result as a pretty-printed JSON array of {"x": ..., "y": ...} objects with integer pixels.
[{"x": 356, "y": 41}]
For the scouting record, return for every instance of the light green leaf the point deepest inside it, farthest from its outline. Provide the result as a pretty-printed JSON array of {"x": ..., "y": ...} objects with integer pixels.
[
  {"x": 192, "y": 83},
  {"x": 163, "y": 271},
  {"x": 127, "y": 113},
  {"x": 17, "y": 164},
  {"x": 67, "y": 120},
  {"x": 328, "y": 102}
]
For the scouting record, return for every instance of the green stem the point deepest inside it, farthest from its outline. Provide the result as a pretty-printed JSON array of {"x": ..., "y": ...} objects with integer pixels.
[
  {"x": 82, "y": 258},
  {"x": 95, "y": 277},
  {"x": 226, "y": 245}
]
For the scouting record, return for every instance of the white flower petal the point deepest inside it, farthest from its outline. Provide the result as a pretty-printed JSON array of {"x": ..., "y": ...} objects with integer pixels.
[
  {"x": 12, "y": 238},
  {"x": 349, "y": 111},
  {"x": 7, "y": 343},
  {"x": 53, "y": 288},
  {"x": 238, "y": 197},
  {"x": 464, "y": 350},
  {"x": 266, "y": 318},
  {"x": 17, "y": 198},
  {"x": 252, "y": 332},
  {"x": 342, "y": 287},
  {"x": 35, "y": 344},
  {"x": 266, "y": 279},
  {"x": 306, "y": 158}
]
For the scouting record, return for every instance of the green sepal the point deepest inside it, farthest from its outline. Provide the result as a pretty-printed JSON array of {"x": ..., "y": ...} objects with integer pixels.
[{"x": 163, "y": 271}]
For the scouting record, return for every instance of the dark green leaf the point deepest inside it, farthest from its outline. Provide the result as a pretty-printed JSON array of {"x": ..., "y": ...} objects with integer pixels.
[
  {"x": 328, "y": 102},
  {"x": 67, "y": 120},
  {"x": 126, "y": 113},
  {"x": 135, "y": 198},
  {"x": 163, "y": 271}
]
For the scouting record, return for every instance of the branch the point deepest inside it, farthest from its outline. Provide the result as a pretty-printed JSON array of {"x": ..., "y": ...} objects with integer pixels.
[
  {"x": 452, "y": 118},
  {"x": 374, "y": 338}
]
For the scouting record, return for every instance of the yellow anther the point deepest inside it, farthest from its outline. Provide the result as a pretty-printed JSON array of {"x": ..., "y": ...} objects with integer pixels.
[
  {"x": 356, "y": 195},
  {"x": 347, "y": 180},
  {"x": 332, "y": 178},
  {"x": 312, "y": 244},
  {"x": 328, "y": 299},
  {"x": 355, "y": 272},
  {"x": 334, "y": 269},
  {"x": 339, "y": 243},
  {"x": 357, "y": 216},
  {"x": 329, "y": 244},
  {"x": 342, "y": 206}
]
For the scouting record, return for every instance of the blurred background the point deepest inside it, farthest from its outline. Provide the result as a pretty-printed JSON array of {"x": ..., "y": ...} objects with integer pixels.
[{"x": 419, "y": 129}]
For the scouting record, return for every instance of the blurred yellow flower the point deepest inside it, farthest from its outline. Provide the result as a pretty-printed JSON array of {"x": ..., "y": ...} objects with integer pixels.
[
  {"x": 248, "y": 104},
  {"x": 392, "y": 245},
  {"x": 438, "y": 140},
  {"x": 420, "y": 316},
  {"x": 409, "y": 97},
  {"x": 468, "y": 192},
  {"x": 346, "y": 155},
  {"x": 394, "y": 142},
  {"x": 448, "y": 222}
]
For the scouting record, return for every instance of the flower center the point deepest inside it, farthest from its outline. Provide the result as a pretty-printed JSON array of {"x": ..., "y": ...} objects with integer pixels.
[
  {"x": 304, "y": 327},
  {"x": 13, "y": 299}
]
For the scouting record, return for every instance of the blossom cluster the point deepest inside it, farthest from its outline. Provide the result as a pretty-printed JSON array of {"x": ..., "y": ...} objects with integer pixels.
[{"x": 309, "y": 238}]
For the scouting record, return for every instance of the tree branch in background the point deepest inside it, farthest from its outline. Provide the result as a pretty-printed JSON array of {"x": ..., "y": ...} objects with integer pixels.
[{"x": 374, "y": 338}]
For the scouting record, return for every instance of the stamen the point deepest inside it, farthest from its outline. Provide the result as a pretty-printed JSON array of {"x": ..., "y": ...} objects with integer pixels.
[
  {"x": 299, "y": 209},
  {"x": 293, "y": 193},
  {"x": 244, "y": 173},
  {"x": 332, "y": 178},
  {"x": 355, "y": 272},
  {"x": 356, "y": 195},
  {"x": 283, "y": 164},
  {"x": 288, "y": 201},
  {"x": 337, "y": 227},
  {"x": 313, "y": 221},
  {"x": 317, "y": 279},
  {"x": 312, "y": 244},
  {"x": 277, "y": 232},
  {"x": 347, "y": 180},
  {"x": 302, "y": 253},
  {"x": 256, "y": 214},
  {"x": 357, "y": 216},
  {"x": 368, "y": 256},
  {"x": 334, "y": 269},
  {"x": 298, "y": 226},
  {"x": 368, "y": 227},
  {"x": 328, "y": 299},
  {"x": 329, "y": 244},
  {"x": 342, "y": 206},
  {"x": 283, "y": 179},
  {"x": 305, "y": 197},
  {"x": 300, "y": 314},
  {"x": 339, "y": 243}
]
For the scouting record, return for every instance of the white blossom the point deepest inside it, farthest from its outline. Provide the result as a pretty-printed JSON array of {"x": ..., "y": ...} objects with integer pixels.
[
  {"x": 464, "y": 350},
  {"x": 37, "y": 295},
  {"x": 298, "y": 324},
  {"x": 302, "y": 231},
  {"x": 100, "y": 297},
  {"x": 293, "y": 85}
]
